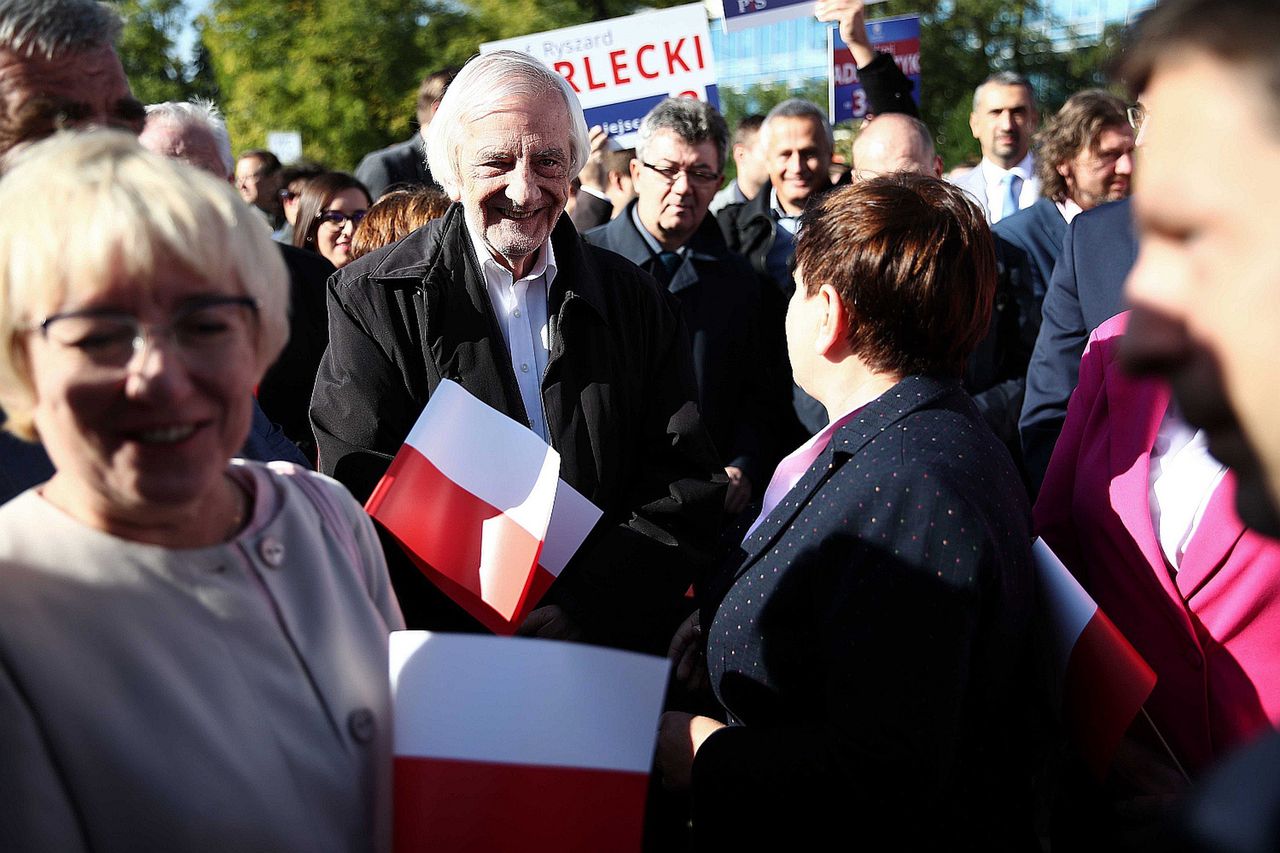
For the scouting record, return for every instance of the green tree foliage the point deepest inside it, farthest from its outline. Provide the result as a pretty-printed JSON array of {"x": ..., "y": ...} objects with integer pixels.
[
  {"x": 337, "y": 73},
  {"x": 964, "y": 41},
  {"x": 345, "y": 74},
  {"x": 148, "y": 52}
]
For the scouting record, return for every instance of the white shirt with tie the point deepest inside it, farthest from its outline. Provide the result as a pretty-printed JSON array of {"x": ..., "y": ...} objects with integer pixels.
[{"x": 1027, "y": 189}]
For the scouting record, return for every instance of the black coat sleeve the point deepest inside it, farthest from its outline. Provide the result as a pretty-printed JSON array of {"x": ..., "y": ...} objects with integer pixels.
[
  {"x": 888, "y": 89},
  {"x": 1054, "y": 365}
]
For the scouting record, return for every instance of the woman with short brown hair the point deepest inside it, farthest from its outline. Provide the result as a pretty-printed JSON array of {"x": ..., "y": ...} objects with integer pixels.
[{"x": 870, "y": 647}]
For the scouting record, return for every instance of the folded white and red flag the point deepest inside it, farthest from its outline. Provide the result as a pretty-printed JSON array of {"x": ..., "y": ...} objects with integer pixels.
[
  {"x": 512, "y": 744},
  {"x": 1104, "y": 681},
  {"x": 470, "y": 497}
]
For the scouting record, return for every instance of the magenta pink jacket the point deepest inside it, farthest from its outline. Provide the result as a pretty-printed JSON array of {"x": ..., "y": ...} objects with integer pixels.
[{"x": 1212, "y": 632}]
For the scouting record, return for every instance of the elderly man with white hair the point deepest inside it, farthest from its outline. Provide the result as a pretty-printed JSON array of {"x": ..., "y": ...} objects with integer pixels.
[
  {"x": 502, "y": 296},
  {"x": 193, "y": 132}
]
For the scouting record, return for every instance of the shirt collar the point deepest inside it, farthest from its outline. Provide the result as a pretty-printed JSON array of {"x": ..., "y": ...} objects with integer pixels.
[
  {"x": 648, "y": 238},
  {"x": 1069, "y": 209},
  {"x": 993, "y": 173},
  {"x": 789, "y": 221},
  {"x": 545, "y": 262}
]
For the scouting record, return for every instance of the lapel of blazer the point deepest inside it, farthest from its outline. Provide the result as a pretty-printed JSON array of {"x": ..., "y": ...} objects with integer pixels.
[
  {"x": 1131, "y": 441},
  {"x": 1216, "y": 536},
  {"x": 1052, "y": 226},
  {"x": 975, "y": 183},
  {"x": 880, "y": 414}
]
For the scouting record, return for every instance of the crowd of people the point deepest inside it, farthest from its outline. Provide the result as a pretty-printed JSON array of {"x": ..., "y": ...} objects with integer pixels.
[{"x": 824, "y": 409}]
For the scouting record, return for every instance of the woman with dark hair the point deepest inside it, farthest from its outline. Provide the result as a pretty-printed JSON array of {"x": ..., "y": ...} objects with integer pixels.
[
  {"x": 332, "y": 205},
  {"x": 870, "y": 649}
]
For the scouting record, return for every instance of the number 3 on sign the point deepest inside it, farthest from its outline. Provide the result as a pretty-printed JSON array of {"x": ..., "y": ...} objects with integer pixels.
[{"x": 859, "y": 102}]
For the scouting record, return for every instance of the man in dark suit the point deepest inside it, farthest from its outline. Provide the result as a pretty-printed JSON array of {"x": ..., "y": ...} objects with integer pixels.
[
  {"x": 1084, "y": 158},
  {"x": 404, "y": 164},
  {"x": 679, "y": 160},
  {"x": 1086, "y": 290}
]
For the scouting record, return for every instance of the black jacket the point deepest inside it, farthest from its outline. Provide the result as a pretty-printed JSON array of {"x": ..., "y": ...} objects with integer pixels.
[
  {"x": 720, "y": 301},
  {"x": 395, "y": 167},
  {"x": 748, "y": 229},
  {"x": 285, "y": 391},
  {"x": 618, "y": 395}
]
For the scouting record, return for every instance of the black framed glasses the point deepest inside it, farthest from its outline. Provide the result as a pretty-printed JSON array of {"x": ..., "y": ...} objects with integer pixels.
[
  {"x": 697, "y": 177},
  {"x": 340, "y": 219},
  {"x": 204, "y": 330}
]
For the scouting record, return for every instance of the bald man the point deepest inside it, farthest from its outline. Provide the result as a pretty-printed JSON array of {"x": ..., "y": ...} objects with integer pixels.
[{"x": 895, "y": 142}]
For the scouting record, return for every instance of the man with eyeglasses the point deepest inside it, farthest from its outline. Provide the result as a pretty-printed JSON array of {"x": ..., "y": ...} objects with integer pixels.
[{"x": 679, "y": 165}]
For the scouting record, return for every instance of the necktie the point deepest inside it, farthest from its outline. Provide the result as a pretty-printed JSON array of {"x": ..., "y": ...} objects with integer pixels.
[
  {"x": 664, "y": 266},
  {"x": 1012, "y": 188}
]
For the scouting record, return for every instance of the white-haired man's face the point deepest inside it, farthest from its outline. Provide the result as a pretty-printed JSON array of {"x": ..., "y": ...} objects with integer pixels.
[
  {"x": 514, "y": 170},
  {"x": 192, "y": 145}
]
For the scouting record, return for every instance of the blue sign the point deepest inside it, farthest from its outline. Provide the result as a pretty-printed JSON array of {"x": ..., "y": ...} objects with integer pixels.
[{"x": 898, "y": 37}]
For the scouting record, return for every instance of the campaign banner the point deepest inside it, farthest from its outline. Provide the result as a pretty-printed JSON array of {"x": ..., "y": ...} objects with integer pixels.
[
  {"x": 744, "y": 14},
  {"x": 899, "y": 37},
  {"x": 510, "y": 744},
  {"x": 622, "y": 68}
]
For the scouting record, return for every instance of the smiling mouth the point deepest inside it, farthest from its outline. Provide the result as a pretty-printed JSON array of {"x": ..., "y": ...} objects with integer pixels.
[
  {"x": 515, "y": 213},
  {"x": 164, "y": 435}
]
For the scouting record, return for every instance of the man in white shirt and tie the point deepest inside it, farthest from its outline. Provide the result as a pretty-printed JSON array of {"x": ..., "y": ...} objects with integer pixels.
[{"x": 1003, "y": 119}]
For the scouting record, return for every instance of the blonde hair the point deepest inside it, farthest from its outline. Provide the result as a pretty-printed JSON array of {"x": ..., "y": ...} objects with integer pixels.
[{"x": 95, "y": 209}]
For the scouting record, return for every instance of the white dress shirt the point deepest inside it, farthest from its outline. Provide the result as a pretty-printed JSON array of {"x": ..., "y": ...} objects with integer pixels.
[
  {"x": 1069, "y": 209},
  {"x": 993, "y": 175},
  {"x": 1183, "y": 478},
  {"x": 521, "y": 311}
]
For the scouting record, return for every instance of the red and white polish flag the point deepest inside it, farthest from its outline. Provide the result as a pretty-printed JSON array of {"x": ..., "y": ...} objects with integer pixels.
[
  {"x": 512, "y": 744},
  {"x": 470, "y": 497},
  {"x": 1103, "y": 679}
]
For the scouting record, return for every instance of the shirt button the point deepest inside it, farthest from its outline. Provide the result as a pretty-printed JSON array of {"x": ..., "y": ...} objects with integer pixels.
[
  {"x": 517, "y": 312},
  {"x": 271, "y": 551},
  {"x": 524, "y": 368},
  {"x": 361, "y": 725}
]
